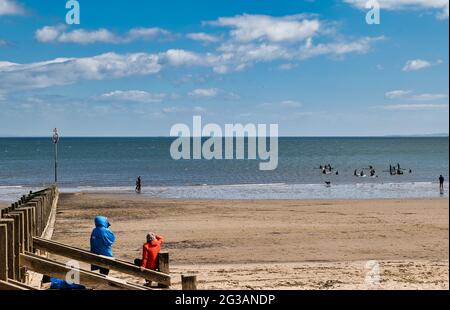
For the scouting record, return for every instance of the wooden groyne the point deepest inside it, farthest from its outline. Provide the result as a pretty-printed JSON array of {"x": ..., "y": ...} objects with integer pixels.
[
  {"x": 26, "y": 228},
  {"x": 31, "y": 216}
]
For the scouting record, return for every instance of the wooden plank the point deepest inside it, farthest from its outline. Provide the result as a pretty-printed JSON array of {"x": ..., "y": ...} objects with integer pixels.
[
  {"x": 36, "y": 222},
  {"x": 57, "y": 270},
  {"x": 29, "y": 227},
  {"x": 40, "y": 218},
  {"x": 10, "y": 244},
  {"x": 7, "y": 286},
  {"x": 22, "y": 285},
  {"x": 102, "y": 261},
  {"x": 3, "y": 252},
  {"x": 22, "y": 235},
  {"x": 17, "y": 244},
  {"x": 21, "y": 226}
]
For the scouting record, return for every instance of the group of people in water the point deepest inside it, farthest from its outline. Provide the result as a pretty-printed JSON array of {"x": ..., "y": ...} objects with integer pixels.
[
  {"x": 372, "y": 172},
  {"x": 397, "y": 170},
  {"x": 393, "y": 170},
  {"x": 327, "y": 169}
]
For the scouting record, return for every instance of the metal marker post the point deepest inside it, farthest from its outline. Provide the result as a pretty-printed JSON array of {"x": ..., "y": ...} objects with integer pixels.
[{"x": 55, "y": 140}]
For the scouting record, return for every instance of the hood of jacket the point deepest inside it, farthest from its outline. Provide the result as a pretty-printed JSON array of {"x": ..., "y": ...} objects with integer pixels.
[{"x": 101, "y": 221}]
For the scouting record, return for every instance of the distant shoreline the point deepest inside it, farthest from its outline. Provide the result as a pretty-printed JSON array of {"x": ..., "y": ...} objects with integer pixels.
[{"x": 443, "y": 135}]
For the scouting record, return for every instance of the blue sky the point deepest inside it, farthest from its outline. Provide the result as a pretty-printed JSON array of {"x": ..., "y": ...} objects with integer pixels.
[{"x": 135, "y": 68}]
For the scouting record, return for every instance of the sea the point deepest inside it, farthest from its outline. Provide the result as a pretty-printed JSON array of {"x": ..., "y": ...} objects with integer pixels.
[{"x": 113, "y": 164}]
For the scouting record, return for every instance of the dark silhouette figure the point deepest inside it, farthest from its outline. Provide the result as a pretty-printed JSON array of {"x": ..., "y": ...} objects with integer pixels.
[
  {"x": 138, "y": 185},
  {"x": 441, "y": 183}
]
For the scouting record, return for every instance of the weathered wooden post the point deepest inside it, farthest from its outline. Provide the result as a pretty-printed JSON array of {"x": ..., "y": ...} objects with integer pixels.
[
  {"x": 39, "y": 209},
  {"x": 20, "y": 215},
  {"x": 163, "y": 266},
  {"x": 189, "y": 282},
  {"x": 25, "y": 227},
  {"x": 163, "y": 262},
  {"x": 36, "y": 221},
  {"x": 17, "y": 242},
  {"x": 32, "y": 211},
  {"x": 3, "y": 252},
  {"x": 10, "y": 244}
]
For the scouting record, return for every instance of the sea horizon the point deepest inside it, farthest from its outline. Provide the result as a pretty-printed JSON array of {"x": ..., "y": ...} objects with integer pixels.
[
  {"x": 433, "y": 135},
  {"x": 112, "y": 164}
]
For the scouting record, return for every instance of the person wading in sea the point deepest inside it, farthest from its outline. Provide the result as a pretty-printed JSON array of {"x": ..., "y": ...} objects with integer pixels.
[
  {"x": 441, "y": 184},
  {"x": 138, "y": 185}
]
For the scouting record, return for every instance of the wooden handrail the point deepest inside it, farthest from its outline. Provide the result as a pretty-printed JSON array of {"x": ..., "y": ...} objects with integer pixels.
[
  {"x": 57, "y": 270},
  {"x": 98, "y": 260}
]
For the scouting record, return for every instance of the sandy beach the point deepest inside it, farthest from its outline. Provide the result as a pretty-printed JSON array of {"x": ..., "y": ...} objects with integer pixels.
[{"x": 283, "y": 244}]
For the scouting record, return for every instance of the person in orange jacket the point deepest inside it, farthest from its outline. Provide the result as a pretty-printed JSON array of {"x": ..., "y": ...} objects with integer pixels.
[{"x": 150, "y": 252}]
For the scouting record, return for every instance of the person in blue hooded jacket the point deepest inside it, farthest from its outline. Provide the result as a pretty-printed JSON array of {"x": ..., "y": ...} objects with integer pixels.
[{"x": 102, "y": 239}]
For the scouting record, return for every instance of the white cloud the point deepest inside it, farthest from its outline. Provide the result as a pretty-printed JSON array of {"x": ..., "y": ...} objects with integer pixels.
[
  {"x": 408, "y": 94},
  {"x": 145, "y": 33},
  {"x": 289, "y": 28},
  {"x": 231, "y": 56},
  {"x": 429, "y": 97},
  {"x": 63, "y": 71},
  {"x": 413, "y": 107},
  {"x": 286, "y": 66},
  {"x": 416, "y": 64},
  {"x": 236, "y": 57},
  {"x": 47, "y": 34},
  {"x": 397, "y": 94},
  {"x": 132, "y": 96},
  {"x": 173, "y": 110},
  {"x": 11, "y": 7},
  {"x": 201, "y": 36},
  {"x": 285, "y": 104},
  {"x": 179, "y": 57},
  {"x": 441, "y": 5},
  {"x": 87, "y": 37},
  {"x": 81, "y": 36},
  {"x": 209, "y": 93},
  {"x": 204, "y": 93},
  {"x": 290, "y": 104},
  {"x": 360, "y": 46},
  {"x": 199, "y": 110},
  {"x": 291, "y": 38}
]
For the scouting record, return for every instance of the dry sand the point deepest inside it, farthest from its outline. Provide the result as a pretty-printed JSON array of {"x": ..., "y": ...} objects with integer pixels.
[{"x": 283, "y": 244}]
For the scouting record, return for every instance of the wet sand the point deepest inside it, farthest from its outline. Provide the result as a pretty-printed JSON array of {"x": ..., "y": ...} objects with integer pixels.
[{"x": 284, "y": 244}]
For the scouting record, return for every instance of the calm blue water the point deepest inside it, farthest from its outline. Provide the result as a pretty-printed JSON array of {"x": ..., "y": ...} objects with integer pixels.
[{"x": 114, "y": 163}]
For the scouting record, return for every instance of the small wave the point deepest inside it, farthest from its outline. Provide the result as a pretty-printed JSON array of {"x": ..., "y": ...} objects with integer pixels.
[{"x": 11, "y": 187}]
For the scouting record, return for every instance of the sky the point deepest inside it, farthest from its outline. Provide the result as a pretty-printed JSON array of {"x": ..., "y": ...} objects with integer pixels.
[{"x": 136, "y": 68}]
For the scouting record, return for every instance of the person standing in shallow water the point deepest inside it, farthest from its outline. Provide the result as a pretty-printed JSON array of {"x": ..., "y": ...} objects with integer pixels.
[
  {"x": 441, "y": 184},
  {"x": 138, "y": 185}
]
